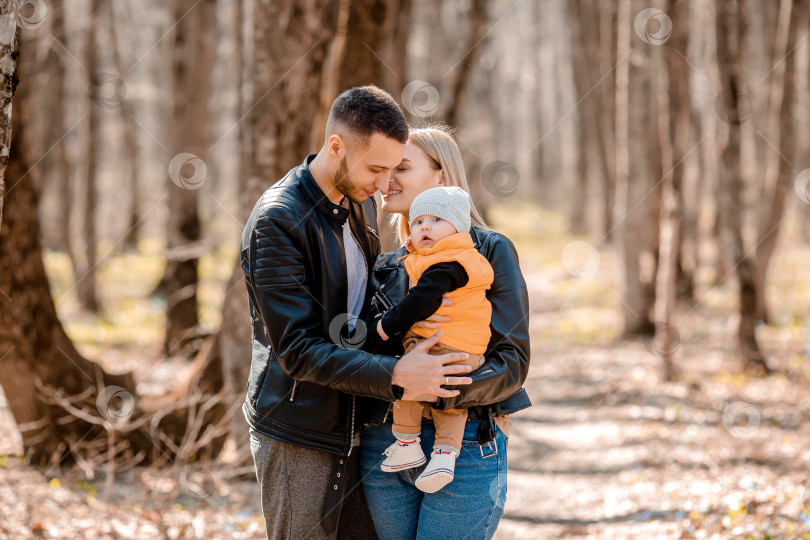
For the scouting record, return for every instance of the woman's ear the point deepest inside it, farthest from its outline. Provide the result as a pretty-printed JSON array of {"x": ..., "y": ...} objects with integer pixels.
[{"x": 442, "y": 179}]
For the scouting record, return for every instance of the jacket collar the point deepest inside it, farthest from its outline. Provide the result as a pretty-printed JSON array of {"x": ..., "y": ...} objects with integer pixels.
[{"x": 318, "y": 198}]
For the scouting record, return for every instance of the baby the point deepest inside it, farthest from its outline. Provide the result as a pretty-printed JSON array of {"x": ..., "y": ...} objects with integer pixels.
[{"x": 441, "y": 259}]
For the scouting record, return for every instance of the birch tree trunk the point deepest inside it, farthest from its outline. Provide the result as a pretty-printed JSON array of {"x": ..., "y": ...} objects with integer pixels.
[{"x": 8, "y": 85}]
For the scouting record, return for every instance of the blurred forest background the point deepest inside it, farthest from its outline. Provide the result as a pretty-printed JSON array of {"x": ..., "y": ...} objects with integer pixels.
[{"x": 649, "y": 158}]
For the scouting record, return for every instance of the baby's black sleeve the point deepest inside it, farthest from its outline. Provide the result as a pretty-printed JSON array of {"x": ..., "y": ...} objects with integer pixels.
[{"x": 425, "y": 297}]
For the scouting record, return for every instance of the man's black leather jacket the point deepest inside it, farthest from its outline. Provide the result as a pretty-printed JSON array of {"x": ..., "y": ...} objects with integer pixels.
[
  {"x": 302, "y": 384},
  {"x": 497, "y": 384}
]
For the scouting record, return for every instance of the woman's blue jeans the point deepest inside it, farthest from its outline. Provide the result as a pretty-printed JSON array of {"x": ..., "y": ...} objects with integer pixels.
[{"x": 469, "y": 507}]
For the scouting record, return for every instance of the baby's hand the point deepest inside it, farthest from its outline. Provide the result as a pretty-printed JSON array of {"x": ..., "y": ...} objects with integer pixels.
[{"x": 381, "y": 332}]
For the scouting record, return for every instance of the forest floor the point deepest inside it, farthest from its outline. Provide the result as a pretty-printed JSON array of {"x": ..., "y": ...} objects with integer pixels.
[{"x": 607, "y": 451}]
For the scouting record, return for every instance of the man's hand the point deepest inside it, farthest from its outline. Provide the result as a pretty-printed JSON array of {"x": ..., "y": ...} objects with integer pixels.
[
  {"x": 434, "y": 320},
  {"x": 421, "y": 373}
]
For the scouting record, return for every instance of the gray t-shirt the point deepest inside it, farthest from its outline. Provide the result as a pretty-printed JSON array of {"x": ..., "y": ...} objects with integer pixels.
[{"x": 356, "y": 271}]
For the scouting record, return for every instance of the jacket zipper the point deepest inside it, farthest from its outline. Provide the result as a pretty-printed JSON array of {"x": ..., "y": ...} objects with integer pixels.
[
  {"x": 388, "y": 410},
  {"x": 292, "y": 392},
  {"x": 351, "y": 431},
  {"x": 365, "y": 260}
]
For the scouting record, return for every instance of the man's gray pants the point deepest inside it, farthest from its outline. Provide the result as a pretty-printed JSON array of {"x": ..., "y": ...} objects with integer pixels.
[{"x": 294, "y": 483}]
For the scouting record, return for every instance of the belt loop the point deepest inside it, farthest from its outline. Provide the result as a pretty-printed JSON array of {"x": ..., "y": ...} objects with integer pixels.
[{"x": 333, "y": 502}]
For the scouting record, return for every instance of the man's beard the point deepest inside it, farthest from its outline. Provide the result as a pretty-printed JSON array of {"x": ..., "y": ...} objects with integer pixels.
[{"x": 344, "y": 184}]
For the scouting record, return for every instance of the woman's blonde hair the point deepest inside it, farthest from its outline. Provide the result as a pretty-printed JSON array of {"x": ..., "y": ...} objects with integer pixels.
[{"x": 440, "y": 147}]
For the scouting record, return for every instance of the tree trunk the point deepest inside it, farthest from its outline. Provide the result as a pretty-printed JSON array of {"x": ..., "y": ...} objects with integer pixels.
[
  {"x": 606, "y": 50},
  {"x": 8, "y": 85},
  {"x": 129, "y": 133},
  {"x": 585, "y": 149},
  {"x": 56, "y": 179},
  {"x": 33, "y": 346},
  {"x": 395, "y": 48},
  {"x": 636, "y": 217},
  {"x": 279, "y": 124},
  {"x": 803, "y": 119},
  {"x": 730, "y": 35},
  {"x": 286, "y": 79},
  {"x": 594, "y": 89},
  {"x": 88, "y": 260},
  {"x": 792, "y": 23},
  {"x": 44, "y": 376},
  {"x": 463, "y": 70},
  {"x": 674, "y": 114},
  {"x": 191, "y": 88}
]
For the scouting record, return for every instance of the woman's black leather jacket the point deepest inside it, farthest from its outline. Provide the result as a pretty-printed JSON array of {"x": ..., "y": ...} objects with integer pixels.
[{"x": 498, "y": 384}]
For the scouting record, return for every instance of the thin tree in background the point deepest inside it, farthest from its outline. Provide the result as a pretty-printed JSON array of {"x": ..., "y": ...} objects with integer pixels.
[
  {"x": 750, "y": 264},
  {"x": 8, "y": 85},
  {"x": 637, "y": 179},
  {"x": 463, "y": 70},
  {"x": 675, "y": 116},
  {"x": 778, "y": 177},
  {"x": 59, "y": 164},
  {"x": 803, "y": 119},
  {"x": 285, "y": 77},
  {"x": 606, "y": 51},
  {"x": 395, "y": 48},
  {"x": 86, "y": 263},
  {"x": 594, "y": 122},
  {"x": 121, "y": 54},
  {"x": 192, "y": 62}
]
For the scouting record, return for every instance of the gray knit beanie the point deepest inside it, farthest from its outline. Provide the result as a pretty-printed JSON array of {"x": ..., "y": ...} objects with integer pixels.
[{"x": 449, "y": 203}]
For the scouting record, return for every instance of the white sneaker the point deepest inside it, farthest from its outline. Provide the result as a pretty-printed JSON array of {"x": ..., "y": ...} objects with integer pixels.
[
  {"x": 399, "y": 458},
  {"x": 439, "y": 472}
]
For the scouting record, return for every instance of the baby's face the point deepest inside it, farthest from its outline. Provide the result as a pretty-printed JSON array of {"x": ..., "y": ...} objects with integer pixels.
[{"x": 427, "y": 230}]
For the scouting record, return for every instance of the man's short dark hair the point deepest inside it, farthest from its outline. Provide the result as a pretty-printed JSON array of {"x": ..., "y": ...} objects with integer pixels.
[{"x": 365, "y": 110}]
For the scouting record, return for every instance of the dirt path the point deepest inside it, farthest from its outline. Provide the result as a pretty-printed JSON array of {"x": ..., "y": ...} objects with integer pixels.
[{"x": 607, "y": 451}]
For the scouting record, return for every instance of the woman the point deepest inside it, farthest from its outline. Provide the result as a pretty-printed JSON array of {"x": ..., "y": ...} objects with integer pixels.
[{"x": 472, "y": 505}]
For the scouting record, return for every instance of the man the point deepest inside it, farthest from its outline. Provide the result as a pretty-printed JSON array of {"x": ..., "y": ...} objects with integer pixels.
[{"x": 306, "y": 253}]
